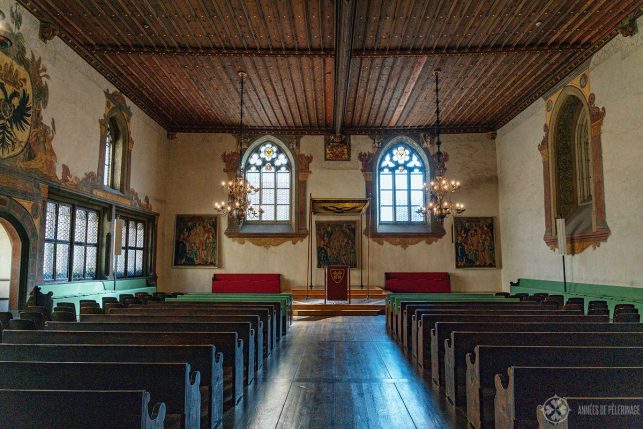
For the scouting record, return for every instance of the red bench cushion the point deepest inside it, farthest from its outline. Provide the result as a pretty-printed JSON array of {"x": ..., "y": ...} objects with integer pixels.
[
  {"x": 418, "y": 282},
  {"x": 246, "y": 283}
]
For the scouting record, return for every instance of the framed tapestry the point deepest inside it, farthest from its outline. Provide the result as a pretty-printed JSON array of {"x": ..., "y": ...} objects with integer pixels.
[
  {"x": 196, "y": 241},
  {"x": 475, "y": 245},
  {"x": 336, "y": 243}
]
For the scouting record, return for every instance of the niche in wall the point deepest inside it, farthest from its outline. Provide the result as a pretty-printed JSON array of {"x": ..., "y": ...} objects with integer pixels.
[{"x": 573, "y": 166}]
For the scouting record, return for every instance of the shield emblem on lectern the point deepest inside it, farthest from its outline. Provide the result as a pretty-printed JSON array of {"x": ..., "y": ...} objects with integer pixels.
[{"x": 337, "y": 275}]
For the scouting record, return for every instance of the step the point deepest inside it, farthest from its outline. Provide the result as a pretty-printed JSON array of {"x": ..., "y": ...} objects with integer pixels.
[
  {"x": 331, "y": 312},
  {"x": 298, "y": 307},
  {"x": 319, "y": 293}
]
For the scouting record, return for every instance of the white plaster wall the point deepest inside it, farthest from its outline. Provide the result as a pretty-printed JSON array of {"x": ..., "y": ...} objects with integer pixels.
[
  {"x": 5, "y": 263},
  {"x": 616, "y": 77},
  {"x": 77, "y": 102},
  {"x": 193, "y": 186}
]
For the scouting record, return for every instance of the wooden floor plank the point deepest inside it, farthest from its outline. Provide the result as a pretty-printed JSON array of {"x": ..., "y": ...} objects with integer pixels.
[
  {"x": 370, "y": 405},
  {"x": 309, "y": 405},
  {"x": 341, "y": 372}
]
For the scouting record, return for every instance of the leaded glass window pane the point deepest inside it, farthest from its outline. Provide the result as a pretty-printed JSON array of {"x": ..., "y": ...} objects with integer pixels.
[
  {"x": 139, "y": 263},
  {"x": 48, "y": 265},
  {"x": 90, "y": 268},
  {"x": 268, "y": 168},
  {"x": 50, "y": 225},
  {"x": 109, "y": 148},
  {"x": 139, "y": 234},
  {"x": 131, "y": 262},
  {"x": 401, "y": 175},
  {"x": 92, "y": 227},
  {"x": 283, "y": 213},
  {"x": 78, "y": 271},
  {"x": 64, "y": 222},
  {"x": 81, "y": 226},
  {"x": 62, "y": 261}
]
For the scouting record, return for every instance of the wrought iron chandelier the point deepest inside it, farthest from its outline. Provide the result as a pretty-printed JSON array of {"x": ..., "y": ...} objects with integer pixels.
[
  {"x": 238, "y": 205},
  {"x": 440, "y": 188}
]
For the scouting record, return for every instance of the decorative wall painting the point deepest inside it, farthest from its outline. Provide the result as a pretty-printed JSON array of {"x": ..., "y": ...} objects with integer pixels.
[
  {"x": 196, "y": 241},
  {"x": 474, "y": 242},
  {"x": 337, "y": 148},
  {"x": 336, "y": 243}
]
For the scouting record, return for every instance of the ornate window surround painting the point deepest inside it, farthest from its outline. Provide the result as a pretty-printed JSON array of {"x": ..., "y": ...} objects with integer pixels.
[
  {"x": 116, "y": 144},
  {"x": 595, "y": 229},
  {"x": 397, "y": 235},
  {"x": 274, "y": 233},
  {"x": 196, "y": 241}
]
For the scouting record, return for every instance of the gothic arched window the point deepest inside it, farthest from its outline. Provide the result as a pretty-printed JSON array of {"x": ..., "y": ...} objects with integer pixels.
[
  {"x": 269, "y": 168},
  {"x": 401, "y": 174}
]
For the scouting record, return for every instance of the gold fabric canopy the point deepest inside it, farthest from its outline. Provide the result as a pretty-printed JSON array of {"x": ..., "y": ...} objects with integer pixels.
[{"x": 339, "y": 206}]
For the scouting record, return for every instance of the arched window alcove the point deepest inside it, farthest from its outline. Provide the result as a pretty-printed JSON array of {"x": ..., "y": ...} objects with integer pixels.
[{"x": 573, "y": 170}]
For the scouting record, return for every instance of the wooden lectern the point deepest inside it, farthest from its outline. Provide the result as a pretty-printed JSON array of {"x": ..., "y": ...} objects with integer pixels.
[{"x": 337, "y": 283}]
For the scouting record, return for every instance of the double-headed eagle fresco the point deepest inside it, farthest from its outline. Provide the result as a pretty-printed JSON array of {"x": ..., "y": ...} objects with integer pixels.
[{"x": 15, "y": 115}]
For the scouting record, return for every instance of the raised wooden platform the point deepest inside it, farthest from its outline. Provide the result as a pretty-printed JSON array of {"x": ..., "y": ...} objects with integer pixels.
[
  {"x": 337, "y": 309},
  {"x": 373, "y": 293}
]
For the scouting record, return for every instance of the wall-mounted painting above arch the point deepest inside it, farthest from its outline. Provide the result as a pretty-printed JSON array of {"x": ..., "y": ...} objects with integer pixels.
[
  {"x": 196, "y": 241},
  {"x": 475, "y": 245}
]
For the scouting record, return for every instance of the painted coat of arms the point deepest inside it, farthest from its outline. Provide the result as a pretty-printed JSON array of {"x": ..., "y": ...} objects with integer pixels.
[
  {"x": 25, "y": 140},
  {"x": 336, "y": 243},
  {"x": 337, "y": 275},
  {"x": 195, "y": 241},
  {"x": 474, "y": 242}
]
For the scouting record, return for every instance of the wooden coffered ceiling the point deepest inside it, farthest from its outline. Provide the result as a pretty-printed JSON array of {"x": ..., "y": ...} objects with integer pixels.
[{"x": 344, "y": 66}]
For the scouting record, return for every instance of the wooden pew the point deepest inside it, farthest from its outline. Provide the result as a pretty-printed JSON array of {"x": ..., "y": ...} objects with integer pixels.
[
  {"x": 393, "y": 300},
  {"x": 214, "y": 310},
  {"x": 253, "y": 358},
  {"x": 599, "y": 412},
  {"x": 204, "y": 359},
  {"x": 411, "y": 329},
  {"x": 284, "y": 301},
  {"x": 463, "y": 342},
  {"x": 519, "y": 393},
  {"x": 487, "y": 361},
  {"x": 64, "y": 409},
  {"x": 283, "y": 316},
  {"x": 255, "y": 320},
  {"x": 409, "y": 315},
  {"x": 227, "y": 343},
  {"x": 442, "y": 332},
  {"x": 428, "y": 321},
  {"x": 173, "y": 383},
  {"x": 396, "y": 306}
]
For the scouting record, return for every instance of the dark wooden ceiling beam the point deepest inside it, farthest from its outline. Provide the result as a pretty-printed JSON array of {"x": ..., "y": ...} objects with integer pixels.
[
  {"x": 321, "y": 53},
  {"x": 371, "y": 131},
  {"x": 211, "y": 52},
  {"x": 344, "y": 26}
]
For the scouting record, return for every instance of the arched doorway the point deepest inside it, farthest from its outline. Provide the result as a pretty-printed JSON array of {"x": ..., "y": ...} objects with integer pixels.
[
  {"x": 21, "y": 237},
  {"x": 10, "y": 255}
]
